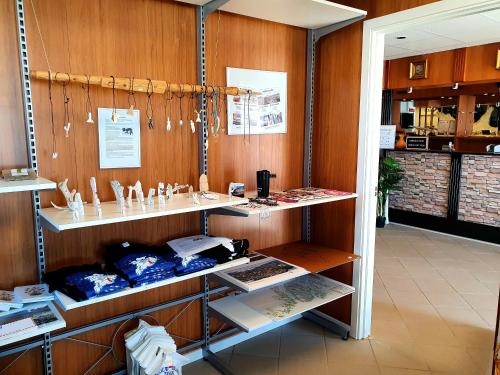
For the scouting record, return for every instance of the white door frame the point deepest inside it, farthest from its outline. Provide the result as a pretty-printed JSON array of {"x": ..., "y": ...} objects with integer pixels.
[{"x": 374, "y": 31}]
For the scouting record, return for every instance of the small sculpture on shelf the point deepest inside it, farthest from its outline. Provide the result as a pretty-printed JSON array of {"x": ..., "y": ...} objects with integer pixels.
[
  {"x": 73, "y": 200},
  {"x": 178, "y": 188},
  {"x": 170, "y": 192},
  {"x": 204, "y": 183},
  {"x": 120, "y": 199},
  {"x": 151, "y": 195},
  {"x": 95, "y": 199},
  {"x": 161, "y": 194},
  {"x": 196, "y": 200},
  {"x": 138, "y": 194}
]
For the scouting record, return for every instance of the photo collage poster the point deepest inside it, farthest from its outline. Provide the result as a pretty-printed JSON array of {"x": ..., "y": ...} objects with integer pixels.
[{"x": 265, "y": 113}]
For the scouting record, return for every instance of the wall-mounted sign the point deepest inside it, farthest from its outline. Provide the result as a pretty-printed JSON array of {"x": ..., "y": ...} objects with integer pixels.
[
  {"x": 258, "y": 114},
  {"x": 387, "y": 137},
  {"x": 417, "y": 143},
  {"x": 120, "y": 142},
  {"x": 418, "y": 69}
]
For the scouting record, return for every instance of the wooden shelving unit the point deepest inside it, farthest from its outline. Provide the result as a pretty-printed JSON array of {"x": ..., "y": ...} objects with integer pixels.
[
  {"x": 26, "y": 185},
  {"x": 312, "y": 257},
  {"x": 58, "y": 220}
]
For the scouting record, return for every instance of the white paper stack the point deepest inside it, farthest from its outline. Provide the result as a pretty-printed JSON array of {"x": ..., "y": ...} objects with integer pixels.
[
  {"x": 7, "y": 301},
  {"x": 151, "y": 351},
  {"x": 33, "y": 293}
]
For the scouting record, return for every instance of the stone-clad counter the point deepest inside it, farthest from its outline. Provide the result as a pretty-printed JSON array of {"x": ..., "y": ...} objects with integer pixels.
[
  {"x": 424, "y": 188},
  {"x": 480, "y": 189}
]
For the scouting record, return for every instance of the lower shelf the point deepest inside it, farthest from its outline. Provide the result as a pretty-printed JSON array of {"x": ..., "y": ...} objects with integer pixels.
[
  {"x": 314, "y": 258},
  {"x": 68, "y": 303},
  {"x": 45, "y": 315},
  {"x": 266, "y": 306}
]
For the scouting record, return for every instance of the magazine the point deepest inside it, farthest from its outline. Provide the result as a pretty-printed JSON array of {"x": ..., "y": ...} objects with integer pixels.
[
  {"x": 261, "y": 272},
  {"x": 7, "y": 301},
  {"x": 26, "y": 320}
]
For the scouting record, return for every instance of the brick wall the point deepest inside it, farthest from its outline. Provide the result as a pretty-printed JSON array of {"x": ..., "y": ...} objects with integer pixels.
[
  {"x": 480, "y": 189},
  {"x": 424, "y": 188}
]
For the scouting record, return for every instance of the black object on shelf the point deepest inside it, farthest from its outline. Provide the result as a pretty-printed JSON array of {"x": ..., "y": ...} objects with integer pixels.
[{"x": 263, "y": 178}]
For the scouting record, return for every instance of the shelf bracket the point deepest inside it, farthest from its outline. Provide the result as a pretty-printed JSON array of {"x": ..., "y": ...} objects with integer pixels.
[
  {"x": 325, "y": 30},
  {"x": 211, "y": 7}
]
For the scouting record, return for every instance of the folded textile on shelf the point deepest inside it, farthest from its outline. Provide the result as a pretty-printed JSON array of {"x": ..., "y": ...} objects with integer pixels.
[
  {"x": 140, "y": 264},
  {"x": 85, "y": 281},
  {"x": 150, "y": 350}
]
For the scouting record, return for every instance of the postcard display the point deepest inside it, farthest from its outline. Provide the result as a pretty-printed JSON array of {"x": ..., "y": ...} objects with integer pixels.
[{"x": 267, "y": 290}]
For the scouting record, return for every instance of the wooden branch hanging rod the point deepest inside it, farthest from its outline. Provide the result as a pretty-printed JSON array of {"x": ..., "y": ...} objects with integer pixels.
[{"x": 139, "y": 85}]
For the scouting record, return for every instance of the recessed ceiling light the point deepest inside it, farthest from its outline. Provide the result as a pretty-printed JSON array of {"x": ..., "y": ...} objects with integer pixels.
[
  {"x": 401, "y": 37},
  {"x": 485, "y": 94},
  {"x": 442, "y": 97},
  {"x": 450, "y": 98}
]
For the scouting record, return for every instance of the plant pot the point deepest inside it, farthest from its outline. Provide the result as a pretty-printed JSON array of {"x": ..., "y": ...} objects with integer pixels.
[{"x": 380, "y": 221}]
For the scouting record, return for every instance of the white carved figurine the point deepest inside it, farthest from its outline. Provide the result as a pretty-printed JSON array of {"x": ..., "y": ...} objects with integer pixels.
[
  {"x": 170, "y": 192},
  {"x": 95, "y": 198},
  {"x": 161, "y": 194},
  {"x": 69, "y": 196},
  {"x": 196, "y": 200},
  {"x": 79, "y": 204},
  {"x": 204, "y": 183},
  {"x": 151, "y": 194},
  {"x": 120, "y": 199},
  {"x": 139, "y": 195}
]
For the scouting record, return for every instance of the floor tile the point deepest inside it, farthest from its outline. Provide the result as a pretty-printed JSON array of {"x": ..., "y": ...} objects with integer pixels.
[
  {"x": 481, "y": 301},
  {"x": 461, "y": 317},
  {"x": 199, "y": 367},
  {"x": 469, "y": 286},
  {"x": 254, "y": 365},
  {"x": 454, "y": 360},
  {"x": 302, "y": 327},
  {"x": 402, "y": 371},
  {"x": 401, "y": 355},
  {"x": 446, "y": 299},
  {"x": 350, "y": 351},
  {"x": 350, "y": 368},
  {"x": 300, "y": 366},
  {"x": 433, "y": 285},
  {"x": 265, "y": 345},
  {"x": 408, "y": 298},
  {"x": 390, "y": 331},
  {"x": 400, "y": 284},
  {"x": 307, "y": 347}
]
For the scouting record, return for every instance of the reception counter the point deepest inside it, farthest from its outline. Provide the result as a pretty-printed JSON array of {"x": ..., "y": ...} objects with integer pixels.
[{"x": 456, "y": 193}]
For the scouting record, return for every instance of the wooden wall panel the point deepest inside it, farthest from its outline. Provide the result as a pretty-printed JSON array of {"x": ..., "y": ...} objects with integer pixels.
[
  {"x": 440, "y": 70},
  {"x": 256, "y": 44},
  {"x": 481, "y": 63},
  {"x": 336, "y": 133},
  {"x": 16, "y": 219}
]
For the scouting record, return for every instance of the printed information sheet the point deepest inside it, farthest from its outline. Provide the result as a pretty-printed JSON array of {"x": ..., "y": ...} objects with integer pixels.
[{"x": 120, "y": 142}]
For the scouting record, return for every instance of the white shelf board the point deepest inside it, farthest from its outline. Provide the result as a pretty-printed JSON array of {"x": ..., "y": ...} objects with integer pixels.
[
  {"x": 44, "y": 328},
  {"x": 247, "y": 311},
  {"x": 285, "y": 206},
  {"x": 309, "y": 14},
  {"x": 58, "y": 220},
  {"x": 68, "y": 303},
  {"x": 26, "y": 185}
]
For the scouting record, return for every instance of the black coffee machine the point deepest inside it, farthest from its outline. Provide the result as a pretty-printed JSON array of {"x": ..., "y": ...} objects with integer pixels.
[{"x": 263, "y": 178}]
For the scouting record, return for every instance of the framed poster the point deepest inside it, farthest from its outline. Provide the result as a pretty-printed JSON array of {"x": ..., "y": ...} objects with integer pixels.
[
  {"x": 387, "y": 137},
  {"x": 120, "y": 142},
  {"x": 265, "y": 113}
]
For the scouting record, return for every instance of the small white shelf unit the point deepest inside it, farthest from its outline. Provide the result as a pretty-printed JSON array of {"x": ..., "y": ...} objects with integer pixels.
[
  {"x": 26, "y": 185},
  {"x": 67, "y": 303},
  {"x": 58, "y": 220},
  {"x": 244, "y": 210},
  {"x": 309, "y": 14},
  {"x": 41, "y": 329}
]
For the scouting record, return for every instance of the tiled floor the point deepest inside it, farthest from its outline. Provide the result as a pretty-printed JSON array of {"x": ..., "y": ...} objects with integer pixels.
[{"x": 434, "y": 311}]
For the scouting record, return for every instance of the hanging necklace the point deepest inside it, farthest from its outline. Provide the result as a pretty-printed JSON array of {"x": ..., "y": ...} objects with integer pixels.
[
  {"x": 168, "y": 100},
  {"x": 66, "y": 99},
  {"x": 181, "y": 89},
  {"x": 149, "y": 106},
  {"x": 131, "y": 97},
  {"x": 219, "y": 110},
  {"x": 114, "y": 115},
  {"x": 51, "y": 105},
  {"x": 191, "y": 107},
  {"x": 88, "y": 103}
]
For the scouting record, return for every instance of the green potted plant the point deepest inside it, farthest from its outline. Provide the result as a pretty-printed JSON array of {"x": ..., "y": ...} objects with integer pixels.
[{"x": 389, "y": 176}]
